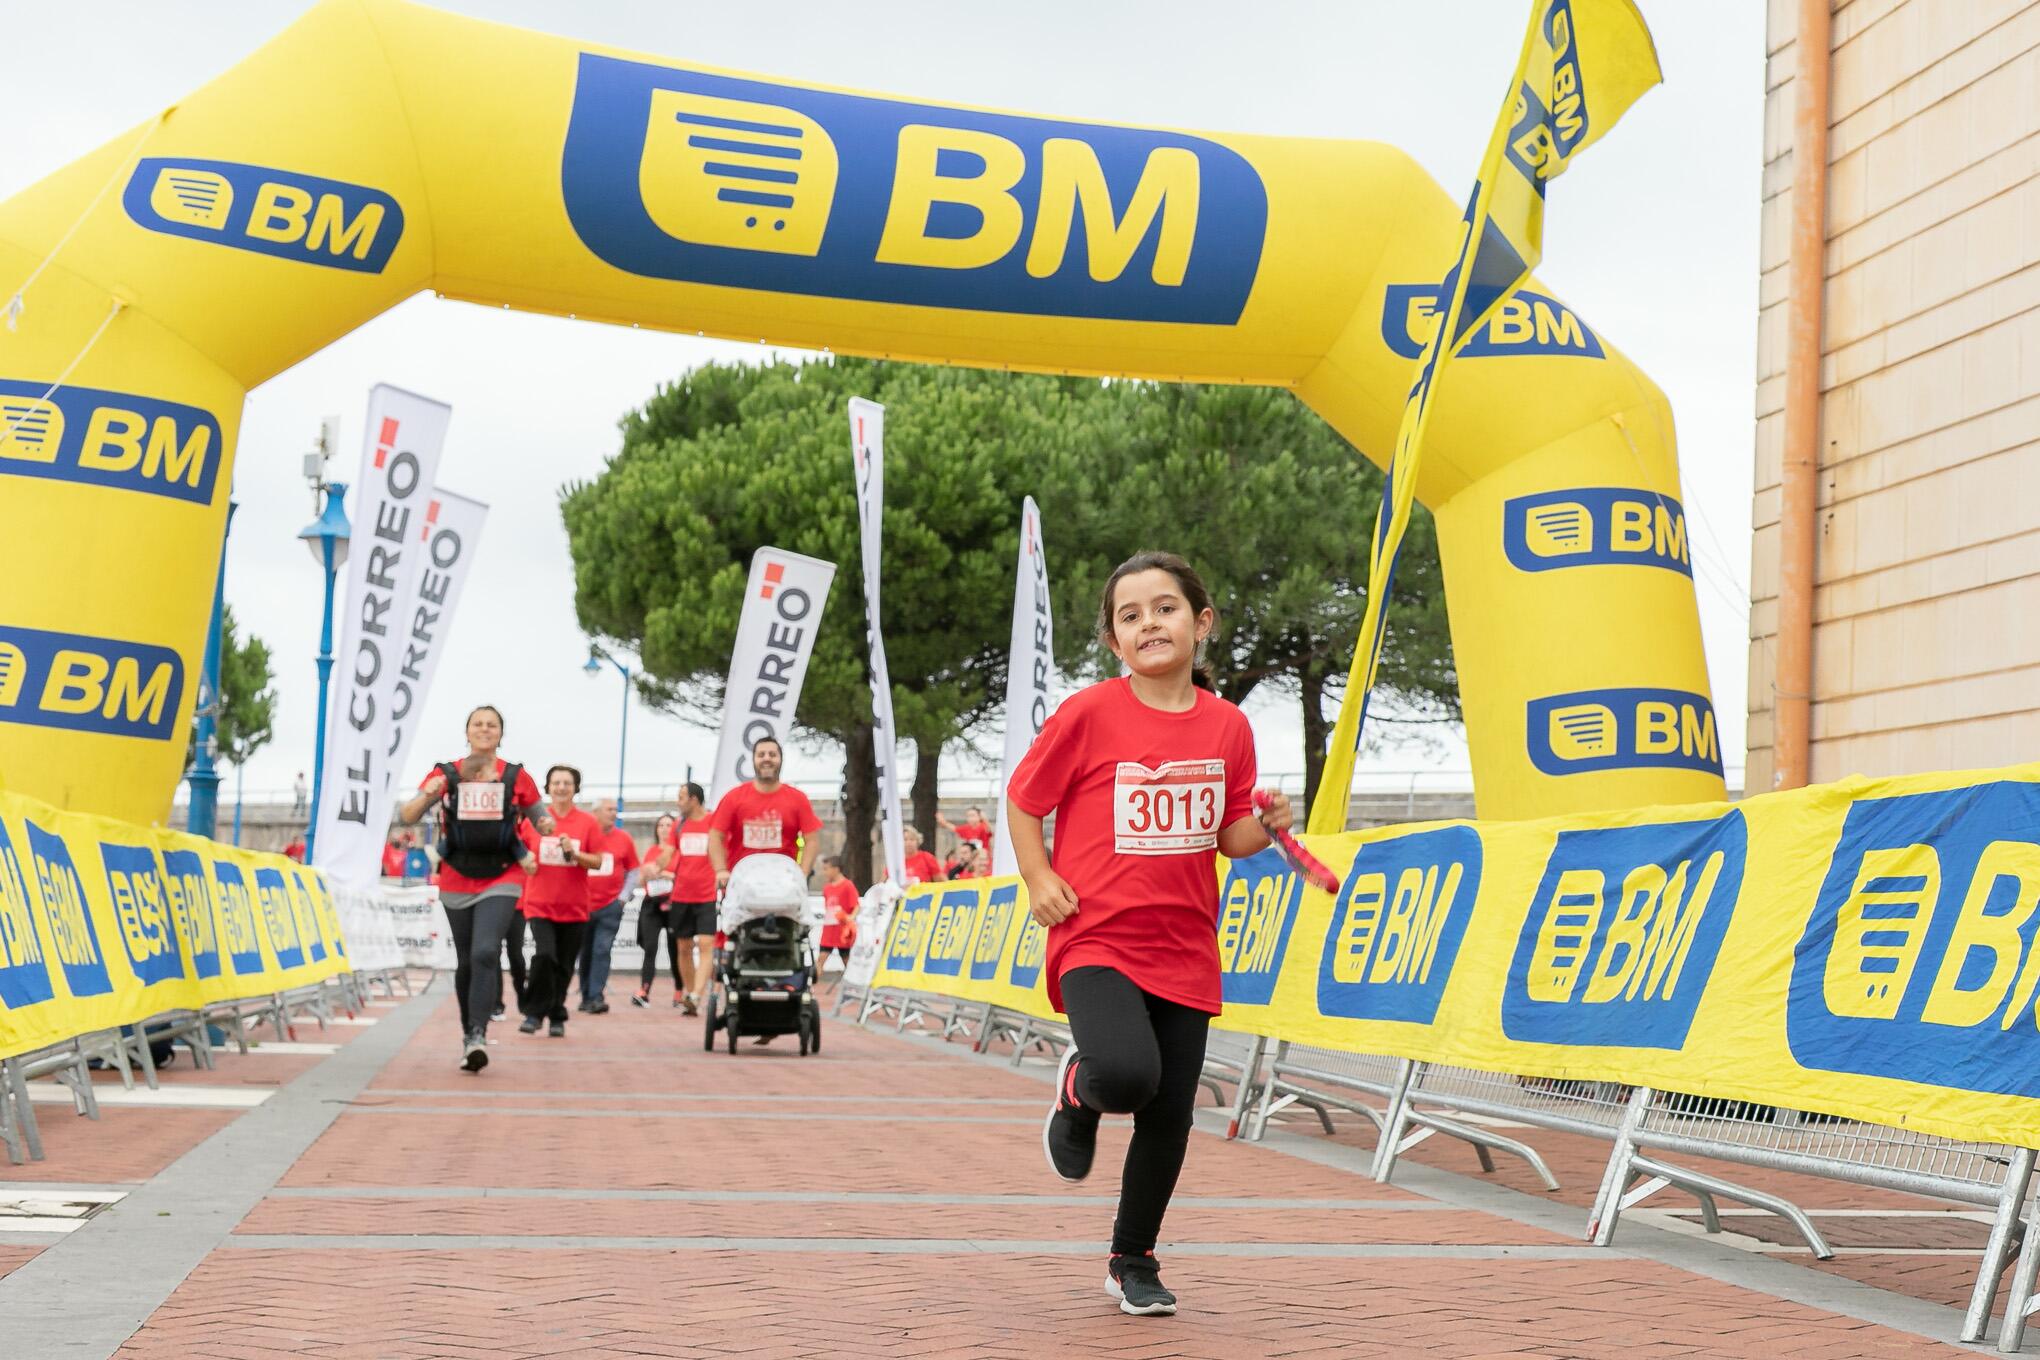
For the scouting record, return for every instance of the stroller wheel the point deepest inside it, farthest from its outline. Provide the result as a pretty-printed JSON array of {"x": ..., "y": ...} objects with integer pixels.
[
  {"x": 807, "y": 1030},
  {"x": 708, "y": 1024},
  {"x": 730, "y": 1030}
]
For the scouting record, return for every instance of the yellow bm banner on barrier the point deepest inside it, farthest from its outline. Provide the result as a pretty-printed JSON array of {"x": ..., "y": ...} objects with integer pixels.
[
  {"x": 1869, "y": 949},
  {"x": 103, "y": 924}
]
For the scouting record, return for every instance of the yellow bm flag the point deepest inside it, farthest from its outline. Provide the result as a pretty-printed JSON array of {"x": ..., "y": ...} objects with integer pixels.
[{"x": 1584, "y": 63}]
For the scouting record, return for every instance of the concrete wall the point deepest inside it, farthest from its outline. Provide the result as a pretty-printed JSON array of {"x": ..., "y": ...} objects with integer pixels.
[{"x": 1927, "y": 606}]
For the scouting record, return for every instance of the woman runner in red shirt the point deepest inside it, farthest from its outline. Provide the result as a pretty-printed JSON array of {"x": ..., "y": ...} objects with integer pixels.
[{"x": 1150, "y": 776}]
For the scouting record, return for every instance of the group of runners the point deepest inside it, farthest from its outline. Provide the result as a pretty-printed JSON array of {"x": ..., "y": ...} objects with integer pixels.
[
  {"x": 1148, "y": 777},
  {"x": 512, "y": 861}
]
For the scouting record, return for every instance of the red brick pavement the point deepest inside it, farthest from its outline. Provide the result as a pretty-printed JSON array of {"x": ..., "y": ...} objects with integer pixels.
[
  {"x": 386, "y": 1305},
  {"x": 970, "y": 1132},
  {"x": 125, "y": 1143},
  {"x": 10, "y": 1257}
]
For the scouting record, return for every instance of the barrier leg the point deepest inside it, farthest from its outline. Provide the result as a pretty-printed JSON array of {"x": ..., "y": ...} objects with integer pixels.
[
  {"x": 1022, "y": 1040},
  {"x": 1397, "y": 1119},
  {"x": 1266, "y": 1104},
  {"x": 144, "y": 1058},
  {"x": 1997, "y": 1252},
  {"x": 2019, "y": 1305},
  {"x": 1693, "y": 1182},
  {"x": 12, "y": 1083},
  {"x": 10, "y": 1123},
  {"x": 1608, "y": 1202},
  {"x": 1250, "y": 1073}
]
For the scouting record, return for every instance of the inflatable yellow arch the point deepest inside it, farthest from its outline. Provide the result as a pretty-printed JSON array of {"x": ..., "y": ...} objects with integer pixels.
[{"x": 378, "y": 148}]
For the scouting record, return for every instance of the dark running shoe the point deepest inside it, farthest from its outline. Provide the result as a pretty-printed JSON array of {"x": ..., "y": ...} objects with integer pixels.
[
  {"x": 1136, "y": 1281},
  {"x": 477, "y": 1055},
  {"x": 557, "y": 1030},
  {"x": 640, "y": 999},
  {"x": 529, "y": 1026},
  {"x": 1070, "y": 1137}
]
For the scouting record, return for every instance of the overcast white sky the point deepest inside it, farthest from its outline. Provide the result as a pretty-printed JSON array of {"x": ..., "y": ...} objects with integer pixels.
[{"x": 1653, "y": 238}]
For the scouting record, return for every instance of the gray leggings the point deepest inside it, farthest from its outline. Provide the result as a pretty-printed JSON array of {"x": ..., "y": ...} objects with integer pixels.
[{"x": 479, "y": 924}]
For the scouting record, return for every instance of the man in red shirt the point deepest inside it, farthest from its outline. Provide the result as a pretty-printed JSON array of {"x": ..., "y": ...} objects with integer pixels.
[
  {"x": 839, "y": 896},
  {"x": 763, "y": 817},
  {"x": 690, "y": 914},
  {"x": 605, "y": 904},
  {"x": 556, "y": 902}
]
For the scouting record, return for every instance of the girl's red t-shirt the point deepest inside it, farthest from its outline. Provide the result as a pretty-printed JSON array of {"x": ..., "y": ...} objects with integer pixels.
[
  {"x": 559, "y": 892},
  {"x": 1139, "y": 797}
]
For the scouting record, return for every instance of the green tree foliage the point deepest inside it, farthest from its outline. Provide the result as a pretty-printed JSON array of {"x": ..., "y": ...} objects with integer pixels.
[
  {"x": 247, "y": 717},
  {"x": 1274, "y": 510},
  {"x": 731, "y": 459},
  {"x": 1271, "y": 506}
]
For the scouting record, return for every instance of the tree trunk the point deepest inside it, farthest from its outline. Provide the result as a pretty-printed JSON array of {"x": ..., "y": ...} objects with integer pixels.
[
  {"x": 1317, "y": 730},
  {"x": 927, "y": 798},
  {"x": 860, "y": 803}
]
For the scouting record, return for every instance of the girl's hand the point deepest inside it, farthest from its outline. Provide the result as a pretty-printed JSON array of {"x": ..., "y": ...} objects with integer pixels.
[
  {"x": 1050, "y": 901},
  {"x": 1275, "y": 812}
]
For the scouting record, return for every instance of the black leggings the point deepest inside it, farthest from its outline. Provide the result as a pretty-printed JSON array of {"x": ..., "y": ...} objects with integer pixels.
[
  {"x": 1138, "y": 1054},
  {"x": 513, "y": 948},
  {"x": 558, "y": 949},
  {"x": 651, "y": 920},
  {"x": 478, "y": 930}
]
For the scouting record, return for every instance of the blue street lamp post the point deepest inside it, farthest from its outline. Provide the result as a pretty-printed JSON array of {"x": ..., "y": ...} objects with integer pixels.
[
  {"x": 596, "y": 656},
  {"x": 327, "y": 538},
  {"x": 205, "y": 775}
]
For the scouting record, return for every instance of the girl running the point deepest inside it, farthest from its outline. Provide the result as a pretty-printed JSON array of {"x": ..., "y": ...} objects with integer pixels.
[
  {"x": 652, "y": 914},
  {"x": 484, "y": 803},
  {"x": 1150, "y": 777}
]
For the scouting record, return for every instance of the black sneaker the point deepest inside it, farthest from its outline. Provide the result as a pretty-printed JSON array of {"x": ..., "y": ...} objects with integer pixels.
[
  {"x": 598, "y": 1008},
  {"x": 530, "y": 1025},
  {"x": 584, "y": 1007},
  {"x": 1070, "y": 1136},
  {"x": 1136, "y": 1281},
  {"x": 558, "y": 1029},
  {"x": 477, "y": 1055},
  {"x": 642, "y": 999},
  {"x": 498, "y": 1014}
]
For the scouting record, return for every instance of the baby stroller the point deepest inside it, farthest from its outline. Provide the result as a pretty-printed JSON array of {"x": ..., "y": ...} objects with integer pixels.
[{"x": 764, "y": 982}]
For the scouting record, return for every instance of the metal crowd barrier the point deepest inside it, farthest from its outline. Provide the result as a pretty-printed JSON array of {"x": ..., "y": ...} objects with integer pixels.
[
  {"x": 1989, "y": 1175},
  {"x": 1423, "y": 1099},
  {"x": 127, "y": 1050},
  {"x": 1313, "y": 1077}
]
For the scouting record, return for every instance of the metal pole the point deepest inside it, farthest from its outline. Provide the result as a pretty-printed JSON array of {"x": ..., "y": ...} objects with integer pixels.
[
  {"x": 325, "y": 674},
  {"x": 205, "y": 775},
  {"x": 239, "y": 775},
  {"x": 622, "y": 739}
]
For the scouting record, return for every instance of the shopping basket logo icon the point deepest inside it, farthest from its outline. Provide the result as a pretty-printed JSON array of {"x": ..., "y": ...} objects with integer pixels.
[
  {"x": 1560, "y": 530},
  {"x": 196, "y": 198},
  {"x": 1582, "y": 731},
  {"x": 13, "y": 673},
  {"x": 31, "y": 429},
  {"x": 735, "y": 173}
]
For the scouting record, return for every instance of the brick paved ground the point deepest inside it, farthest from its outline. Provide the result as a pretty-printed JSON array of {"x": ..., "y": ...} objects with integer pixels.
[{"x": 621, "y": 1192}]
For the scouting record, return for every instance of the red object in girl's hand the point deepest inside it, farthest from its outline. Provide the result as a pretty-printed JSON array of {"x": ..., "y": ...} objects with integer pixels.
[{"x": 1312, "y": 868}]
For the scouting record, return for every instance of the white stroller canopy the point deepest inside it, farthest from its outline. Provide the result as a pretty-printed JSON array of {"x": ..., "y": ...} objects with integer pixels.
[{"x": 763, "y": 885}]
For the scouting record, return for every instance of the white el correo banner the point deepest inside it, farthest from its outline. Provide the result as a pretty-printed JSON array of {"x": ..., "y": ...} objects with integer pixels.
[
  {"x": 448, "y": 538},
  {"x": 1030, "y": 670},
  {"x": 867, "y": 451},
  {"x": 399, "y": 464},
  {"x": 775, "y": 637}
]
